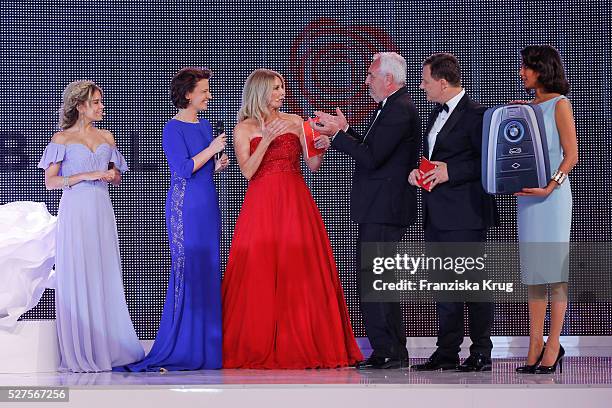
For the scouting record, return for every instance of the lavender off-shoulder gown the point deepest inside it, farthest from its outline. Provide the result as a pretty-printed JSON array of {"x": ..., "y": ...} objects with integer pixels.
[{"x": 93, "y": 324}]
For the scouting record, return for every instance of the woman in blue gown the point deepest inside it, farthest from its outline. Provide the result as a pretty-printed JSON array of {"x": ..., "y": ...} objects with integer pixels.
[{"x": 189, "y": 335}]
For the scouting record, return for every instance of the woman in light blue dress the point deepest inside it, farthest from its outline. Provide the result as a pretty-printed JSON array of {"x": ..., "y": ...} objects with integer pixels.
[
  {"x": 93, "y": 324},
  {"x": 545, "y": 214}
]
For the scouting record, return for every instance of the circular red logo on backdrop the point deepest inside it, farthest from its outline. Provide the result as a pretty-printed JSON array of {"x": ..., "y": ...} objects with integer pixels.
[{"x": 328, "y": 66}]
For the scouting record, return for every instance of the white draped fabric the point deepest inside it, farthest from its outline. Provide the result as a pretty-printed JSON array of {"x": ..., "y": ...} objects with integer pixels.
[{"x": 27, "y": 255}]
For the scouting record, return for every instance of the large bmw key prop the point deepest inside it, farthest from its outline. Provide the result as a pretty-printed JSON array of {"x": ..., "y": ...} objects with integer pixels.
[{"x": 514, "y": 149}]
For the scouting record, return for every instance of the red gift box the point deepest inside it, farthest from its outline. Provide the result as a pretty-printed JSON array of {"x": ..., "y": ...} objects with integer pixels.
[
  {"x": 425, "y": 166},
  {"x": 310, "y": 134}
]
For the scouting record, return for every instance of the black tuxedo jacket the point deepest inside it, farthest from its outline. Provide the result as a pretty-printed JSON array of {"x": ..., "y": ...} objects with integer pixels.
[
  {"x": 380, "y": 193},
  {"x": 461, "y": 203}
]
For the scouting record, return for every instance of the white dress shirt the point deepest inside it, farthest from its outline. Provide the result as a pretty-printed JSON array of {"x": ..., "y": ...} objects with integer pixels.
[
  {"x": 441, "y": 120},
  {"x": 377, "y": 115}
]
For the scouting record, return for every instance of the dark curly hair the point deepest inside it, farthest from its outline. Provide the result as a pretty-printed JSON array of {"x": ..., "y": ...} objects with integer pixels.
[
  {"x": 546, "y": 61},
  {"x": 184, "y": 82}
]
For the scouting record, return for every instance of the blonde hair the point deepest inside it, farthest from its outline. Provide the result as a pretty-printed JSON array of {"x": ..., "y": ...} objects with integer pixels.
[
  {"x": 256, "y": 95},
  {"x": 74, "y": 94}
]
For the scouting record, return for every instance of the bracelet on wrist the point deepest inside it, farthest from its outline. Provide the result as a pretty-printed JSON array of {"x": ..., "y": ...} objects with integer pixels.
[
  {"x": 559, "y": 177},
  {"x": 66, "y": 184}
]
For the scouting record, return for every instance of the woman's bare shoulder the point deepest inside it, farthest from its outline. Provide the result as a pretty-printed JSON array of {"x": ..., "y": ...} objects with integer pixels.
[{"x": 60, "y": 137}]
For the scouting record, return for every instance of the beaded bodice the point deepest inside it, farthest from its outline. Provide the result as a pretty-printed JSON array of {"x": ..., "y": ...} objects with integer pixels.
[{"x": 283, "y": 155}]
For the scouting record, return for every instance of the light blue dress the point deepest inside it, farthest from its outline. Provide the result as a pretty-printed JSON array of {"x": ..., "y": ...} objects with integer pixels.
[
  {"x": 544, "y": 223},
  {"x": 93, "y": 324}
]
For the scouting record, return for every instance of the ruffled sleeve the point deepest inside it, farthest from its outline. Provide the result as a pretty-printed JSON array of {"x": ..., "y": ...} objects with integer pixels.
[
  {"x": 119, "y": 161},
  {"x": 54, "y": 153}
]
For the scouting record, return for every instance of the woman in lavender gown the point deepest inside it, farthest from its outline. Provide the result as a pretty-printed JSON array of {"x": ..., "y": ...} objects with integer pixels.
[{"x": 93, "y": 324}]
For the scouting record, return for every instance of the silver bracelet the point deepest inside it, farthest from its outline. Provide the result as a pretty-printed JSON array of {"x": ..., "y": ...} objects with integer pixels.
[
  {"x": 559, "y": 177},
  {"x": 66, "y": 185}
]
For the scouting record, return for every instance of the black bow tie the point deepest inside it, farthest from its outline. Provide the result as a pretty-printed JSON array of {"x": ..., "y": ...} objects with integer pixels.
[{"x": 441, "y": 107}]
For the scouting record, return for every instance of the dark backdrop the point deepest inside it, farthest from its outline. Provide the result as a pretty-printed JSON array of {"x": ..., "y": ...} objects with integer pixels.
[{"x": 132, "y": 49}]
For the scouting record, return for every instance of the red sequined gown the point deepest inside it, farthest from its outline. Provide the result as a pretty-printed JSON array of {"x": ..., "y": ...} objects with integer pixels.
[{"x": 283, "y": 305}]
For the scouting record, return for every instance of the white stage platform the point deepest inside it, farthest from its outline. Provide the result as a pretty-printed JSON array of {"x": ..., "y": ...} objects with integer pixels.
[
  {"x": 30, "y": 347},
  {"x": 585, "y": 382}
]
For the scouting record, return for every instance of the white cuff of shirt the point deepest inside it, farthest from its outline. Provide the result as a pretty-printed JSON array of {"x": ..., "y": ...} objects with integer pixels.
[{"x": 344, "y": 130}]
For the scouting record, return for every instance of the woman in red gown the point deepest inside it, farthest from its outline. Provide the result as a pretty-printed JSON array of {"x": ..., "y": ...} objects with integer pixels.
[{"x": 283, "y": 305}]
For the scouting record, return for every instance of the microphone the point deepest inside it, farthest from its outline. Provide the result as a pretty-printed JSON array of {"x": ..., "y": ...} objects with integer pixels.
[{"x": 219, "y": 128}]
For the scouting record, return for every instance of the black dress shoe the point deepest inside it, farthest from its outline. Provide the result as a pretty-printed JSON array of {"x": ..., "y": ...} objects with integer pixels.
[
  {"x": 436, "y": 362},
  {"x": 371, "y": 362},
  {"x": 476, "y": 362},
  {"x": 382, "y": 363},
  {"x": 391, "y": 363}
]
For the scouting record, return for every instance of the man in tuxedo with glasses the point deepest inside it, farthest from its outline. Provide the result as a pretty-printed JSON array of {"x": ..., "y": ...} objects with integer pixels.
[
  {"x": 383, "y": 204},
  {"x": 456, "y": 209}
]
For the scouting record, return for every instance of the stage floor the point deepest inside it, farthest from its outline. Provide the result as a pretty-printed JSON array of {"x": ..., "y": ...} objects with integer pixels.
[
  {"x": 593, "y": 371},
  {"x": 585, "y": 382}
]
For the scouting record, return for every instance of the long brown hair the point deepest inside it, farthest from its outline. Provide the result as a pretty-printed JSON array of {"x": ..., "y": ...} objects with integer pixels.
[{"x": 74, "y": 94}]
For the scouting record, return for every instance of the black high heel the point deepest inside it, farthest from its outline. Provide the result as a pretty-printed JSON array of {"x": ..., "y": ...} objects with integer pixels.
[
  {"x": 553, "y": 368},
  {"x": 531, "y": 368}
]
